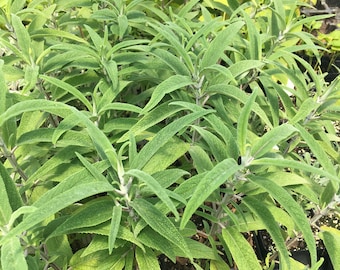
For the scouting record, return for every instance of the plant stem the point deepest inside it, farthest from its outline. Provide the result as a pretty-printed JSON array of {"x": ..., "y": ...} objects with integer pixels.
[{"x": 12, "y": 159}]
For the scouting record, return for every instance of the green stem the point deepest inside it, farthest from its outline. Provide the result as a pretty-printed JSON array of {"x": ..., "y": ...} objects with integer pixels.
[{"x": 12, "y": 159}]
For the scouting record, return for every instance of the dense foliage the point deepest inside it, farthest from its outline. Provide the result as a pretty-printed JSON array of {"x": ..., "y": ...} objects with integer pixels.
[{"x": 134, "y": 133}]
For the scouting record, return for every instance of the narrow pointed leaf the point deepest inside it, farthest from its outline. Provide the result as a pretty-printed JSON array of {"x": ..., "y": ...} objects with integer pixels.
[
  {"x": 12, "y": 255},
  {"x": 209, "y": 183},
  {"x": 112, "y": 72},
  {"x": 99, "y": 139},
  {"x": 317, "y": 150},
  {"x": 123, "y": 25},
  {"x": 272, "y": 227},
  {"x": 160, "y": 223},
  {"x": 172, "y": 61},
  {"x": 242, "y": 252},
  {"x": 293, "y": 164},
  {"x": 5, "y": 209},
  {"x": 75, "y": 193},
  {"x": 96, "y": 39},
  {"x": 201, "y": 159},
  {"x": 293, "y": 209},
  {"x": 156, "y": 188},
  {"x": 22, "y": 36},
  {"x": 242, "y": 124},
  {"x": 166, "y": 155},
  {"x": 331, "y": 239},
  {"x": 9, "y": 191},
  {"x": 150, "y": 119},
  {"x": 162, "y": 137},
  {"x": 94, "y": 172},
  {"x": 69, "y": 88},
  {"x": 147, "y": 259},
  {"x": 217, "y": 147},
  {"x": 175, "y": 43},
  {"x": 219, "y": 44},
  {"x": 305, "y": 110},
  {"x": 86, "y": 216},
  {"x": 266, "y": 143},
  {"x": 49, "y": 32},
  {"x": 114, "y": 228},
  {"x": 3, "y": 88},
  {"x": 169, "y": 85}
]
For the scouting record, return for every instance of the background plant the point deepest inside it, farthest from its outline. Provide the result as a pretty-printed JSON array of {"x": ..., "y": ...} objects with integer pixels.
[{"x": 134, "y": 130}]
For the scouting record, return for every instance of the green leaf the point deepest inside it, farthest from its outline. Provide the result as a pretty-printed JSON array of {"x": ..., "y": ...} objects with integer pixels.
[
  {"x": 234, "y": 92},
  {"x": 201, "y": 159},
  {"x": 10, "y": 199},
  {"x": 23, "y": 37},
  {"x": 3, "y": 88},
  {"x": 92, "y": 169},
  {"x": 240, "y": 67},
  {"x": 219, "y": 44},
  {"x": 5, "y": 209},
  {"x": 59, "y": 248},
  {"x": 86, "y": 216},
  {"x": 258, "y": 208},
  {"x": 156, "y": 188},
  {"x": 157, "y": 242},
  {"x": 254, "y": 45},
  {"x": 169, "y": 85},
  {"x": 66, "y": 124},
  {"x": 146, "y": 260},
  {"x": 328, "y": 193},
  {"x": 175, "y": 43},
  {"x": 99, "y": 260},
  {"x": 96, "y": 39},
  {"x": 49, "y": 32},
  {"x": 161, "y": 224},
  {"x": 293, "y": 164},
  {"x": 98, "y": 242},
  {"x": 151, "y": 118},
  {"x": 305, "y": 110},
  {"x": 167, "y": 177},
  {"x": 293, "y": 209},
  {"x": 72, "y": 190},
  {"x": 99, "y": 139},
  {"x": 162, "y": 137},
  {"x": 218, "y": 125},
  {"x": 31, "y": 78},
  {"x": 30, "y": 121},
  {"x": 242, "y": 252},
  {"x": 16, "y": 5},
  {"x": 123, "y": 24},
  {"x": 69, "y": 88},
  {"x": 61, "y": 157},
  {"x": 166, "y": 155},
  {"x": 12, "y": 255},
  {"x": 216, "y": 146},
  {"x": 112, "y": 72},
  {"x": 317, "y": 150},
  {"x": 266, "y": 143},
  {"x": 35, "y": 105},
  {"x": 331, "y": 239},
  {"x": 242, "y": 124},
  {"x": 20, "y": 211},
  {"x": 115, "y": 223},
  {"x": 171, "y": 60},
  {"x": 207, "y": 185},
  {"x": 117, "y": 106}
]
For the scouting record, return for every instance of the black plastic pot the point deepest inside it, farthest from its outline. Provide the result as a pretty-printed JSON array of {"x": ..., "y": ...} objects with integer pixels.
[{"x": 261, "y": 240}]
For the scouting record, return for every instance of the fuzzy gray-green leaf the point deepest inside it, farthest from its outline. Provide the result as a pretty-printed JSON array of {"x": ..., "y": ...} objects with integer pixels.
[
  {"x": 210, "y": 182},
  {"x": 160, "y": 224}
]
